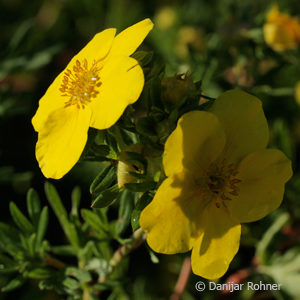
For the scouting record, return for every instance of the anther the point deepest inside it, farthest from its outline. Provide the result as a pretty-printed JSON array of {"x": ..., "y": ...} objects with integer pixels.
[
  {"x": 81, "y": 85},
  {"x": 234, "y": 193}
]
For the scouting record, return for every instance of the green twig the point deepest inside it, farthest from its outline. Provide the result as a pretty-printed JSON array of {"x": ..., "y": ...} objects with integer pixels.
[
  {"x": 53, "y": 262},
  {"x": 136, "y": 240}
]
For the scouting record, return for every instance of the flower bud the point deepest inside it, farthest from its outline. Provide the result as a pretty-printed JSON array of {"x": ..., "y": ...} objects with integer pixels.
[
  {"x": 176, "y": 87},
  {"x": 126, "y": 165}
]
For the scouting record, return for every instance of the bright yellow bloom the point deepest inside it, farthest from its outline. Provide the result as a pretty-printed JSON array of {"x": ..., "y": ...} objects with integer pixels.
[
  {"x": 219, "y": 175},
  {"x": 281, "y": 31},
  {"x": 93, "y": 91},
  {"x": 190, "y": 37},
  {"x": 165, "y": 18},
  {"x": 297, "y": 92}
]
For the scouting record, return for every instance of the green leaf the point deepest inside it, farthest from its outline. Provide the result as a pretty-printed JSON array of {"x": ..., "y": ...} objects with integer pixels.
[
  {"x": 40, "y": 273},
  {"x": 103, "y": 180},
  {"x": 128, "y": 137},
  {"x": 107, "y": 197},
  {"x": 42, "y": 226},
  {"x": 10, "y": 232},
  {"x": 152, "y": 92},
  {"x": 100, "y": 150},
  {"x": 134, "y": 157},
  {"x": 143, "y": 57},
  {"x": 55, "y": 202},
  {"x": 140, "y": 205},
  {"x": 137, "y": 176},
  {"x": 31, "y": 244},
  {"x": 20, "y": 33},
  {"x": 14, "y": 284},
  {"x": 141, "y": 187},
  {"x": 81, "y": 275},
  {"x": 71, "y": 283},
  {"x": 87, "y": 251},
  {"x": 10, "y": 243},
  {"x": 285, "y": 270},
  {"x": 261, "y": 250},
  {"x": 153, "y": 257},
  {"x": 100, "y": 266},
  {"x": 126, "y": 207},
  {"x": 33, "y": 206},
  {"x": 61, "y": 213},
  {"x": 65, "y": 250},
  {"x": 113, "y": 145},
  {"x": 9, "y": 270},
  {"x": 107, "y": 285},
  {"x": 7, "y": 261},
  {"x": 43, "y": 57},
  {"x": 283, "y": 138},
  {"x": 20, "y": 220},
  {"x": 94, "y": 221},
  {"x": 76, "y": 196},
  {"x": 24, "y": 242},
  {"x": 146, "y": 126}
]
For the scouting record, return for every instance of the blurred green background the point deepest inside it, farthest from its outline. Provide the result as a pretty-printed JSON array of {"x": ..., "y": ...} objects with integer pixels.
[{"x": 218, "y": 42}]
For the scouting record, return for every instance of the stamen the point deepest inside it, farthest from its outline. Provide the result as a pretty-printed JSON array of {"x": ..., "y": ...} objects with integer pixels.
[
  {"x": 81, "y": 84},
  {"x": 221, "y": 181}
]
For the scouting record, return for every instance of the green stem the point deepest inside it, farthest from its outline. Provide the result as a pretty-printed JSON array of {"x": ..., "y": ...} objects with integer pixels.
[
  {"x": 53, "y": 262},
  {"x": 136, "y": 240}
]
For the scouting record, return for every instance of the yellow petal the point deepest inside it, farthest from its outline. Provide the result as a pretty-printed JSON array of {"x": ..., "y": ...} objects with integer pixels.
[
  {"x": 98, "y": 47},
  {"x": 281, "y": 31},
  {"x": 53, "y": 100},
  {"x": 170, "y": 220},
  {"x": 127, "y": 41},
  {"x": 122, "y": 83},
  {"x": 244, "y": 123},
  {"x": 62, "y": 140},
  {"x": 279, "y": 36},
  {"x": 219, "y": 242},
  {"x": 273, "y": 14},
  {"x": 263, "y": 175},
  {"x": 196, "y": 142}
]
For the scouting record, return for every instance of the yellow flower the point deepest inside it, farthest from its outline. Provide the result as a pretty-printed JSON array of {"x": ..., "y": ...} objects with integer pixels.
[
  {"x": 165, "y": 18},
  {"x": 297, "y": 92},
  {"x": 219, "y": 175},
  {"x": 190, "y": 36},
  {"x": 281, "y": 31},
  {"x": 93, "y": 91}
]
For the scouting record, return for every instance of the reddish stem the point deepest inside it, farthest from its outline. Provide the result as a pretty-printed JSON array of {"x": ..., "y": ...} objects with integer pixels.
[{"x": 182, "y": 279}]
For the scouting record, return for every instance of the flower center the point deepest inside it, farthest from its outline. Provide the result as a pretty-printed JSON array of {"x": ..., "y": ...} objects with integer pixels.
[
  {"x": 81, "y": 84},
  {"x": 220, "y": 181}
]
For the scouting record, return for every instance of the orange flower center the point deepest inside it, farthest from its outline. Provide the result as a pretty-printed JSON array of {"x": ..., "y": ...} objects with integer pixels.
[{"x": 81, "y": 84}]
